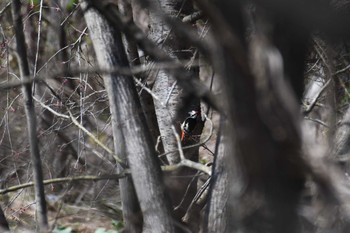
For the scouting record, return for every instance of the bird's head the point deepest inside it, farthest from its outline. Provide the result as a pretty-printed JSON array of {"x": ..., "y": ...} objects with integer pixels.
[{"x": 193, "y": 114}]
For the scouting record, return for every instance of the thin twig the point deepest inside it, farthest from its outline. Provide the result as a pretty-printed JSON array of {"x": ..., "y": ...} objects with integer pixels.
[
  {"x": 116, "y": 157},
  {"x": 170, "y": 92},
  {"x": 64, "y": 179},
  {"x": 144, "y": 87},
  {"x": 313, "y": 66},
  {"x": 342, "y": 70},
  {"x": 50, "y": 109},
  {"x": 194, "y": 179},
  {"x": 83, "y": 33},
  {"x": 185, "y": 162},
  {"x": 5, "y": 8},
  {"x": 317, "y": 121},
  {"x": 38, "y": 41},
  {"x": 80, "y": 126},
  {"x": 70, "y": 14},
  {"x": 197, "y": 197}
]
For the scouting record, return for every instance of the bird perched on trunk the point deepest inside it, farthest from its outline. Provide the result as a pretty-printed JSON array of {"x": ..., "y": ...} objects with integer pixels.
[{"x": 189, "y": 124}]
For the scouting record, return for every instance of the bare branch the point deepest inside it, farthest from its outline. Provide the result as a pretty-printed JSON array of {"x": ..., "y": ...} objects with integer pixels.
[
  {"x": 317, "y": 121},
  {"x": 342, "y": 70},
  {"x": 80, "y": 126},
  {"x": 5, "y": 8},
  {"x": 65, "y": 179}
]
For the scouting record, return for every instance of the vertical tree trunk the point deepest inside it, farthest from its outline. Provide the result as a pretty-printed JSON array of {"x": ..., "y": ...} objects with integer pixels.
[
  {"x": 227, "y": 186},
  {"x": 4, "y": 226},
  {"x": 108, "y": 56},
  {"x": 31, "y": 118},
  {"x": 126, "y": 9},
  {"x": 165, "y": 86},
  {"x": 180, "y": 183},
  {"x": 266, "y": 127},
  {"x": 130, "y": 45},
  {"x": 341, "y": 150},
  {"x": 131, "y": 134}
]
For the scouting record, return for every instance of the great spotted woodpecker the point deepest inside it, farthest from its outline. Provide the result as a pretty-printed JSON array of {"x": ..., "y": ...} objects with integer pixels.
[{"x": 189, "y": 124}]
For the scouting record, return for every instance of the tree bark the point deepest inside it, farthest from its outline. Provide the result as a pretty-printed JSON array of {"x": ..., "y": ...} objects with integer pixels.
[
  {"x": 173, "y": 106},
  {"x": 4, "y": 226},
  {"x": 341, "y": 150},
  {"x": 131, "y": 134},
  {"x": 31, "y": 118},
  {"x": 130, "y": 45},
  {"x": 126, "y": 9},
  {"x": 265, "y": 123},
  {"x": 227, "y": 186},
  {"x": 165, "y": 87}
]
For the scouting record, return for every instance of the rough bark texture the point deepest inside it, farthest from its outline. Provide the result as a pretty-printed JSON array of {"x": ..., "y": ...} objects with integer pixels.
[
  {"x": 130, "y": 45},
  {"x": 173, "y": 107},
  {"x": 341, "y": 148},
  {"x": 106, "y": 49},
  {"x": 227, "y": 186},
  {"x": 166, "y": 114},
  {"x": 131, "y": 134},
  {"x": 165, "y": 86},
  {"x": 126, "y": 10},
  {"x": 31, "y": 118},
  {"x": 265, "y": 123}
]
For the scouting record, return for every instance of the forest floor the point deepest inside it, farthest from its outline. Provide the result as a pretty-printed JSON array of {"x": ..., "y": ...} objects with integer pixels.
[
  {"x": 84, "y": 207},
  {"x": 63, "y": 217}
]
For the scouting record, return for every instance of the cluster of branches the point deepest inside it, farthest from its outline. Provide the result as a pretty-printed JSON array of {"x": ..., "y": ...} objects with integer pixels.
[{"x": 273, "y": 171}]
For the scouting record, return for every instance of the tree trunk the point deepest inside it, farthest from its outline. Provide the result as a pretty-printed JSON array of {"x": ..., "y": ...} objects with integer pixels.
[
  {"x": 165, "y": 87},
  {"x": 341, "y": 150},
  {"x": 4, "y": 226},
  {"x": 265, "y": 123},
  {"x": 146, "y": 98},
  {"x": 173, "y": 106},
  {"x": 131, "y": 134},
  {"x": 227, "y": 186},
  {"x": 31, "y": 118}
]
